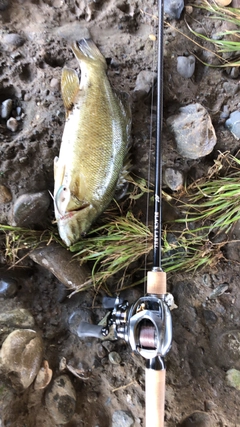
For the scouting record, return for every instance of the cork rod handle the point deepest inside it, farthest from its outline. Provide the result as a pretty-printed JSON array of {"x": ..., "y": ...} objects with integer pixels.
[
  {"x": 156, "y": 282},
  {"x": 155, "y": 397}
]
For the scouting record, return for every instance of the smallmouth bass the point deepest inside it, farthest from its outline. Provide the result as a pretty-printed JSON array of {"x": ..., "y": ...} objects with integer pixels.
[{"x": 94, "y": 145}]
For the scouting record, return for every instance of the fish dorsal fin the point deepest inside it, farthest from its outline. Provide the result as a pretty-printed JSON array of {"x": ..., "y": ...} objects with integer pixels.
[{"x": 69, "y": 87}]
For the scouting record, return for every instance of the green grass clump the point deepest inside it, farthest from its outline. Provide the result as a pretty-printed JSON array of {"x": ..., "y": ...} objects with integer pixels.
[
  {"x": 221, "y": 42},
  {"x": 119, "y": 247}
]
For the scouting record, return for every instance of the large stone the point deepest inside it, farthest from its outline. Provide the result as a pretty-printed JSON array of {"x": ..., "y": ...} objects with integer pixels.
[
  {"x": 61, "y": 400},
  {"x": 173, "y": 8},
  {"x": 233, "y": 124},
  {"x": 30, "y": 208},
  {"x": 193, "y": 130},
  {"x": 61, "y": 263},
  {"x": 20, "y": 358},
  {"x": 122, "y": 418}
]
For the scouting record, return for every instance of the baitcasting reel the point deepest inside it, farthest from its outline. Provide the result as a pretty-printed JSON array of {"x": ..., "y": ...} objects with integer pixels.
[{"x": 146, "y": 325}]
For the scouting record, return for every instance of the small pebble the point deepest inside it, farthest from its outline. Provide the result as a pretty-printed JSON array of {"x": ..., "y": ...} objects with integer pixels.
[
  {"x": 234, "y": 73},
  {"x": 55, "y": 84},
  {"x": 233, "y": 378},
  {"x": 197, "y": 419},
  {"x": 61, "y": 400},
  {"x": 44, "y": 376},
  {"x": 18, "y": 111},
  {"x": 5, "y": 194},
  {"x": 114, "y": 358},
  {"x": 101, "y": 351},
  {"x": 8, "y": 287},
  {"x": 144, "y": 83},
  {"x": 13, "y": 39},
  {"x": 21, "y": 357},
  {"x": 152, "y": 37},
  {"x": 219, "y": 291},
  {"x": 6, "y": 108},
  {"x": 209, "y": 317},
  {"x": 186, "y": 66},
  {"x": 122, "y": 418},
  {"x": 12, "y": 124},
  {"x": 233, "y": 124},
  {"x": 173, "y": 178},
  {"x": 4, "y": 4},
  {"x": 173, "y": 8}
]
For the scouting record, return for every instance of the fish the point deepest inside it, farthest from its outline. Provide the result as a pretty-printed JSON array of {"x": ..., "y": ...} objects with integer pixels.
[{"x": 94, "y": 150}]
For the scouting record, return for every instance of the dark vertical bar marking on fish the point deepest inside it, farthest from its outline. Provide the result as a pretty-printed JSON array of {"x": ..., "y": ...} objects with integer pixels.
[{"x": 157, "y": 220}]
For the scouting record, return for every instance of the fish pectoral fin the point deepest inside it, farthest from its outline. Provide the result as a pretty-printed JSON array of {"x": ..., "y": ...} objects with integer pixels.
[{"x": 69, "y": 87}]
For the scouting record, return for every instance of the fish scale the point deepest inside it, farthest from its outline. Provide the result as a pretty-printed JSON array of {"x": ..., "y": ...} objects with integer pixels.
[{"x": 94, "y": 144}]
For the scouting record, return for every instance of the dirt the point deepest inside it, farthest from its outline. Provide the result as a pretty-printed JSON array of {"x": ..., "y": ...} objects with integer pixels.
[{"x": 205, "y": 331}]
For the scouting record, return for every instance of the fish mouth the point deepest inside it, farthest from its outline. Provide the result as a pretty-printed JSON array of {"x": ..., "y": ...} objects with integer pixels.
[{"x": 71, "y": 214}]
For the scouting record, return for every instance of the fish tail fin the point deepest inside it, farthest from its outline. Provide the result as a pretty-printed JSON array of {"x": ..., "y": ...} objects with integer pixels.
[{"x": 85, "y": 50}]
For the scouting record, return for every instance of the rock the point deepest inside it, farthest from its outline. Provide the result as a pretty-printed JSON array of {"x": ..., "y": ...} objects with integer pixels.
[
  {"x": 226, "y": 347},
  {"x": 194, "y": 133},
  {"x": 186, "y": 66},
  {"x": 12, "y": 124},
  {"x": 209, "y": 317},
  {"x": 61, "y": 400},
  {"x": 234, "y": 72},
  {"x": 197, "y": 419},
  {"x": 61, "y": 263},
  {"x": 114, "y": 358},
  {"x": 233, "y": 378},
  {"x": 233, "y": 124},
  {"x": 223, "y": 287},
  {"x": 173, "y": 8},
  {"x": 29, "y": 208},
  {"x": 5, "y": 194},
  {"x": 144, "y": 83},
  {"x": 21, "y": 357},
  {"x": 101, "y": 351},
  {"x": 223, "y": 2},
  {"x": 44, "y": 376},
  {"x": 4, "y": 4},
  {"x": 17, "y": 318},
  {"x": 8, "y": 287},
  {"x": 55, "y": 84},
  {"x": 121, "y": 418},
  {"x": 13, "y": 39},
  {"x": 6, "y": 108},
  {"x": 173, "y": 178}
]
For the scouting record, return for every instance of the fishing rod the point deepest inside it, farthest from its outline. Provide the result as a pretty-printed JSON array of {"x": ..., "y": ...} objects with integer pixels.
[{"x": 146, "y": 325}]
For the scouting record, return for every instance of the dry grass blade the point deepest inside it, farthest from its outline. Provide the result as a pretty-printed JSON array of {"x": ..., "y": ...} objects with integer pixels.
[{"x": 22, "y": 239}]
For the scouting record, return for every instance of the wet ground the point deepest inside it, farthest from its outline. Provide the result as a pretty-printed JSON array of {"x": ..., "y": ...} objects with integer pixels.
[{"x": 34, "y": 39}]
